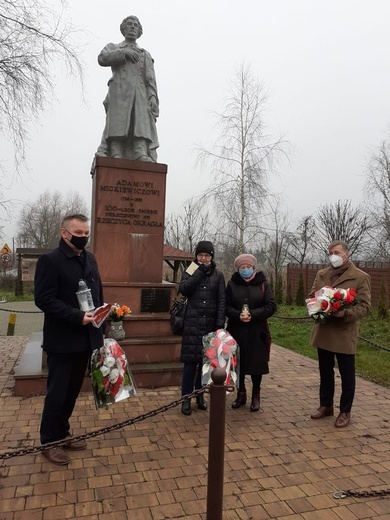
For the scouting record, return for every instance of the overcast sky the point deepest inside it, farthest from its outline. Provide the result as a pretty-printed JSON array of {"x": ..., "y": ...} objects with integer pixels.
[{"x": 326, "y": 65}]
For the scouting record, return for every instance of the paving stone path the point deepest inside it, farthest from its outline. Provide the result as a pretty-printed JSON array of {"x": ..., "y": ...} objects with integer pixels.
[{"x": 279, "y": 464}]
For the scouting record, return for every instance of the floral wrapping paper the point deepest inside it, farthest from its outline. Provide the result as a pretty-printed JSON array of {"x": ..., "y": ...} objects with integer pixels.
[
  {"x": 328, "y": 301},
  {"x": 220, "y": 349},
  {"x": 110, "y": 374}
]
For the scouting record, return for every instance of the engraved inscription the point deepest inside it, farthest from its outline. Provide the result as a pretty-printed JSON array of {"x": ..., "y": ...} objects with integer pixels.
[{"x": 134, "y": 205}]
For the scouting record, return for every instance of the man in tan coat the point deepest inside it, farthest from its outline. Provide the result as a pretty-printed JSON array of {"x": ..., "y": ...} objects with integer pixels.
[{"x": 337, "y": 336}]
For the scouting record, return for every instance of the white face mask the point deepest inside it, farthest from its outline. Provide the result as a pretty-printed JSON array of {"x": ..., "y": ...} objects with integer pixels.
[{"x": 336, "y": 260}]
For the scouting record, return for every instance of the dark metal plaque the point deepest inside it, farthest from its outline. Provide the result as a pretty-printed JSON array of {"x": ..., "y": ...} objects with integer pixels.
[{"x": 155, "y": 300}]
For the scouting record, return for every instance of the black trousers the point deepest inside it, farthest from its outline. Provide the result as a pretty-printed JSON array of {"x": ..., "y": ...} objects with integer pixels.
[
  {"x": 346, "y": 364},
  {"x": 256, "y": 382},
  {"x": 65, "y": 377}
]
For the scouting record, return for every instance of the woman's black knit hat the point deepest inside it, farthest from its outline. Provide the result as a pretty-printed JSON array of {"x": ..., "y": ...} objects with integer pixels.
[{"x": 205, "y": 246}]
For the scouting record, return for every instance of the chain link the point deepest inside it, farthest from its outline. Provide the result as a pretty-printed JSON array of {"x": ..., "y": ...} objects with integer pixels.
[
  {"x": 361, "y": 494},
  {"x": 153, "y": 413},
  {"x": 107, "y": 429},
  {"x": 310, "y": 318},
  {"x": 374, "y": 344},
  {"x": 274, "y": 316},
  {"x": 291, "y": 317},
  {"x": 21, "y": 312}
]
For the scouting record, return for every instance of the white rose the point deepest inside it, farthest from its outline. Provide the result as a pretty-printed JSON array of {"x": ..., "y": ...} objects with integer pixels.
[
  {"x": 313, "y": 305},
  {"x": 109, "y": 361},
  {"x": 114, "y": 374},
  {"x": 104, "y": 370}
]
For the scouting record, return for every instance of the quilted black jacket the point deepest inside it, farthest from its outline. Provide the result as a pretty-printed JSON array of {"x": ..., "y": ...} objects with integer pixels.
[{"x": 205, "y": 309}]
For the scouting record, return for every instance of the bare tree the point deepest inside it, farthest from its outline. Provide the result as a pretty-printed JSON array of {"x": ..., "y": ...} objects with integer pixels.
[
  {"x": 74, "y": 203},
  {"x": 34, "y": 38},
  {"x": 242, "y": 159},
  {"x": 40, "y": 221},
  {"x": 277, "y": 247},
  {"x": 378, "y": 188},
  {"x": 301, "y": 241},
  {"x": 341, "y": 221},
  {"x": 185, "y": 230}
]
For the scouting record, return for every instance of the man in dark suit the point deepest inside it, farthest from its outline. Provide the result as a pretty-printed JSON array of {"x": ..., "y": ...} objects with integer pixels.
[{"x": 69, "y": 336}]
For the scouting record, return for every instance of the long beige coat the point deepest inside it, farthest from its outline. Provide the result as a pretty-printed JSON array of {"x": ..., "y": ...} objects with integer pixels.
[{"x": 340, "y": 334}]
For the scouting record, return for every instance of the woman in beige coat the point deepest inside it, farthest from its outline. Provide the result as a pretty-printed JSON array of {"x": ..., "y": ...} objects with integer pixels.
[{"x": 337, "y": 336}]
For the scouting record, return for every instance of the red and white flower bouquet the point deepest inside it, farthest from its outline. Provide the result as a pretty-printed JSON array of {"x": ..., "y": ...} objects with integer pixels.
[
  {"x": 220, "y": 349},
  {"x": 110, "y": 374},
  {"x": 328, "y": 301}
]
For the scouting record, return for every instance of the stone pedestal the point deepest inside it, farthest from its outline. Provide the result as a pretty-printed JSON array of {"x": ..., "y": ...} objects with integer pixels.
[
  {"x": 128, "y": 211},
  {"x": 127, "y": 238}
]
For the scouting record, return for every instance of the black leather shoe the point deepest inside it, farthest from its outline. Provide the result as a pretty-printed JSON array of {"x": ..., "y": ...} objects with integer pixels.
[
  {"x": 200, "y": 402},
  {"x": 240, "y": 399},
  {"x": 323, "y": 411},
  {"x": 186, "y": 407},
  {"x": 255, "y": 404}
]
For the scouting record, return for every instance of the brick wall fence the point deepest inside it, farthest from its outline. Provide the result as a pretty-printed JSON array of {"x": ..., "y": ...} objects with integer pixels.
[{"x": 377, "y": 271}]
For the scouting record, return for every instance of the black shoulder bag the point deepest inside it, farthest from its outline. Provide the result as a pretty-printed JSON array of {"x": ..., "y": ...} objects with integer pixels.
[{"x": 177, "y": 314}]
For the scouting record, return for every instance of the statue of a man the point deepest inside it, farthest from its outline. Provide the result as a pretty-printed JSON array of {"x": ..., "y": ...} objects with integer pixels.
[{"x": 131, "y": 104}]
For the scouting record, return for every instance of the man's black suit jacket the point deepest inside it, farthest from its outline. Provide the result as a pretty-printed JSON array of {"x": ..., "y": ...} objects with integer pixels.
[{"x": 56, "y": 282}]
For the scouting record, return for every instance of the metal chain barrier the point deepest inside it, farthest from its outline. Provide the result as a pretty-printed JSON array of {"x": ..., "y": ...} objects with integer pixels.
[
  {"x": 292, "y": 317},
  {"x": 107, "y": 429},
  {"x": 21, "y": 312},
  {"x": 310, "y": 318},
  {"x": 374, "y": 344},
  {"x": 361, "y": 494},
  {"x": 274, "y": 316}
]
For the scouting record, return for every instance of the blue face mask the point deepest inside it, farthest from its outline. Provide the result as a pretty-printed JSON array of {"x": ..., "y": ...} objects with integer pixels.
[{"x": 246, "y": 273}]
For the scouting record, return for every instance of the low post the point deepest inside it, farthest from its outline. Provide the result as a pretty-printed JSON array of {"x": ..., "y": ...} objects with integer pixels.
[
  {"x": 216, "y": 445},
  {"x": 11, "y": 324},
  {"x": 18, "y": 282}
]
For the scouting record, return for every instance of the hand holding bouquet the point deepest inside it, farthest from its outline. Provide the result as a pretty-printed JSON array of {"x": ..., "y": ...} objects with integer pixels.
[
  {"x": 328, "y": 301},
  {"x": 220, "y": 349}
]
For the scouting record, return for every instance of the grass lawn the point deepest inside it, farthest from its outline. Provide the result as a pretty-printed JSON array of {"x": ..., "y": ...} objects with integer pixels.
[
  {"x": 10, "y": 296},
  {"x": 372, "y": 363}
]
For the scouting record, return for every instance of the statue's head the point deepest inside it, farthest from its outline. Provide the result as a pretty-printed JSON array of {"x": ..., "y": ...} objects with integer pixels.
[{"x": 133, "y": 19}]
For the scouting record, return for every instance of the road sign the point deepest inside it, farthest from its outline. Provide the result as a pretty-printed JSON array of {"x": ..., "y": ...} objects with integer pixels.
[
  {"x": 6, "y": 249},
  {"x": 5, "y": 258}
]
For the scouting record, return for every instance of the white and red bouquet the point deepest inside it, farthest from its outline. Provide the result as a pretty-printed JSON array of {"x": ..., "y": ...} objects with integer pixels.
[
  {"x": 328, "y": 301},
  {"x": 220, "y": 349},
  {"x": 110, "y": 374}
]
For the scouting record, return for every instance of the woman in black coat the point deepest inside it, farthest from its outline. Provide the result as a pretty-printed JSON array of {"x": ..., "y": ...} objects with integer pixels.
[
  {"x": 249, "y": 302},
  {"x": 205, "y": 290}
]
